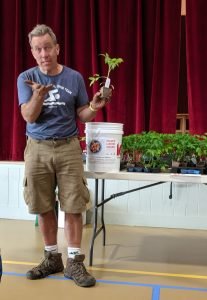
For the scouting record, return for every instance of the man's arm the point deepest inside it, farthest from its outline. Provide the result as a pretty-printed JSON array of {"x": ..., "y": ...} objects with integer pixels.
[
  {"x": 31, "y": 110},
  {"x": 87, "y": 113}
]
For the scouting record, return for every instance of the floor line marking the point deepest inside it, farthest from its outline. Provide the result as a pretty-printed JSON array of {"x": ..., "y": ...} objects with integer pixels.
[
  {"x": 150, "y": 273},
  {"x": 178, "y": 275},
  {"x": 12, "y": 262},
  {"x": 156, "y": 292}
]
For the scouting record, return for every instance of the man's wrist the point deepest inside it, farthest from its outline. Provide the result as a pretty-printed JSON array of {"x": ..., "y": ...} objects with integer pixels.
[
  {"x": 38, "y": 93},
  {"x": 92, "y": 108}
]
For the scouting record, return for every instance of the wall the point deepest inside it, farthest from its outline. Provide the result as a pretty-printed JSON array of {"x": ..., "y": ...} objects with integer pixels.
[
  {"x": 12, "y": 205},
  {"x": 149, "y": 207}
]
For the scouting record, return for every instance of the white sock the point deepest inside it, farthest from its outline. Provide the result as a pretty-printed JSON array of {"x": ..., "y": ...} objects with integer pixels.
[
  {"x": 73, "y": 251},
  {"x": 52, "y": 248}
]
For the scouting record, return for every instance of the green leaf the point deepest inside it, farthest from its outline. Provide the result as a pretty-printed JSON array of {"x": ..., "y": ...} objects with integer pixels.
[{"x": 112, "y": 64}]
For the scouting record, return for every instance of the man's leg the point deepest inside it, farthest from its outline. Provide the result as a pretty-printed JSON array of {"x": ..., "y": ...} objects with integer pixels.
[
  {"x": 75, "y": 268},
  {"x": 73, "y": 229},
  {"x": 48, "y": 227},
  {"x": 53, "y": 260}
]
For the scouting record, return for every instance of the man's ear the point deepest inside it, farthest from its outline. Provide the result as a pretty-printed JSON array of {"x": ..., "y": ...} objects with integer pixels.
[
  {"x": 33, "y": 53},
  {"x": 57, "y": 49}
]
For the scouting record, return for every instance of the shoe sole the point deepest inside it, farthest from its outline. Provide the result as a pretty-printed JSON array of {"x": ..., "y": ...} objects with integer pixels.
[
  {"x": 81, "y": 285},
  {"x": 36, "y": 278}
]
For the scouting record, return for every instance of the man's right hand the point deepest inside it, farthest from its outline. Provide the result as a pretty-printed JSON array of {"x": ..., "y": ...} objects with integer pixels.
[
  {"x": 32, "y": 108},
  {"x": 40, "y": 89}
]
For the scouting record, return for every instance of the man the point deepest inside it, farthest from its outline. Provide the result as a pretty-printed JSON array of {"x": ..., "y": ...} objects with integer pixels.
[{"x": 51, "y": 97}]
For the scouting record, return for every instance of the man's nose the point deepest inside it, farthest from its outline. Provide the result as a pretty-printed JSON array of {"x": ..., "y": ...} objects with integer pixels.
[{"x": 43, "y": 52}]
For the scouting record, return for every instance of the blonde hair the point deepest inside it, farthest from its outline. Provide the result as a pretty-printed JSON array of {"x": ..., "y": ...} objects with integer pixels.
[{"x": 42, "y": 29}]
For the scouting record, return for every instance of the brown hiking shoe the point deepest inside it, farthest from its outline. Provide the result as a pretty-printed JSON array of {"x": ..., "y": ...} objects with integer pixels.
[
  {"x": 52, "y": 263},
  {"x": 76, "y": 270}
]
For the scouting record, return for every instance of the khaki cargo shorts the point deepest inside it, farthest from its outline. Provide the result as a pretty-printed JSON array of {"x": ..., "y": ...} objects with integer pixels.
[{"x": 54, "y": 167}]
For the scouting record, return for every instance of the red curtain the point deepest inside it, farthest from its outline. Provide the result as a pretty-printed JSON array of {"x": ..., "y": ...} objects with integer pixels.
[
  {"x": 196, "y": 51},
  {"x": 145, "y": 33},
  {"x": 165, "y": 66}
]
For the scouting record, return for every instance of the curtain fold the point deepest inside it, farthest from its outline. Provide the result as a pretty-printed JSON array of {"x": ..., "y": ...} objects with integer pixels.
[
  {"x": 145, "y": 33},
  {"x": 196, "y": 53},
  {"x": 166, "y": 63}
]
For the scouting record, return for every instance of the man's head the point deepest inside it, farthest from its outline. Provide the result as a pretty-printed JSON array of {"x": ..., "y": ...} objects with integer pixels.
[
  {"x": 44, "y": 48},
  {"x": 40, "y": 30}
]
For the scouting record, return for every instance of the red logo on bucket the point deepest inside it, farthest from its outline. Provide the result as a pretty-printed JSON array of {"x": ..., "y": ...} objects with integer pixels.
[{"x": 118, "y": 150}]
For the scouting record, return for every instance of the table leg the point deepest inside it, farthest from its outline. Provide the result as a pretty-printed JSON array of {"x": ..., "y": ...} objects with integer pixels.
[
  {"x": 103, "y": 201},
  {"x": 102, "y": 227},
  {"x": 94, "y": 224},
  {"x": 170, "y": 196},
  {"x": 102, "y": 212}
]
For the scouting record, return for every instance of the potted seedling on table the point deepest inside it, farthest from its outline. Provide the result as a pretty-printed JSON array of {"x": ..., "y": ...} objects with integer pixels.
[{"x": 106, "y": 86}]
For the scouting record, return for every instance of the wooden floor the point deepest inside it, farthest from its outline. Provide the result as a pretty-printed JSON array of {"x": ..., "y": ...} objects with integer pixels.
[{"x": 136, "y": 264}]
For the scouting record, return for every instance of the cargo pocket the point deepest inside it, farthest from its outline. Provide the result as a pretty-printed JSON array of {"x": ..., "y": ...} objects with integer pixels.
[
  {"x": 26, "y": 148},
  {"x": 86, "y": 193},
  {"x": 25, "y": 191}
]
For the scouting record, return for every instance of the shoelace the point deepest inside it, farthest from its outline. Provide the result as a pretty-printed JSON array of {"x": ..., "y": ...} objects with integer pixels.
[
  {"x": 79, "y": 269},
  {"x": 44, "y": 263}
]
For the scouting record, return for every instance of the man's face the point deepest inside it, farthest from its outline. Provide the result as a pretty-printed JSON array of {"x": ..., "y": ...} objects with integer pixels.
[{"x": 45, "y": 53}]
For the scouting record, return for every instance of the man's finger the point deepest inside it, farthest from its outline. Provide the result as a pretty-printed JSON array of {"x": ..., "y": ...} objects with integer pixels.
[
  {"x": 30, "y": 82},
  {"x": 49, "y": 86}
]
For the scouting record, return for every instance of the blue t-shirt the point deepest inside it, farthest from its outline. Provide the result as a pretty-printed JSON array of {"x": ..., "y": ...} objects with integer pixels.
[{"x": 58, "y": 115}]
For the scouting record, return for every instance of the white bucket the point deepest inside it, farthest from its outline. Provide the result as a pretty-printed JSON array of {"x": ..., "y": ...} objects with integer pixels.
[{"x": 103, "y": 146}]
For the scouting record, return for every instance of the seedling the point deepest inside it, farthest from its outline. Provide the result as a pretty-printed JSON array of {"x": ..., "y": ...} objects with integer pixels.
[{"x": 112, "y": 63}]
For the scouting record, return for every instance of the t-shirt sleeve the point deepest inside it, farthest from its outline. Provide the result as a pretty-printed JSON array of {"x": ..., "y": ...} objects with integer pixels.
[
  {"x": 24, "y": 91},
  {"x": 82, "y": 98}
]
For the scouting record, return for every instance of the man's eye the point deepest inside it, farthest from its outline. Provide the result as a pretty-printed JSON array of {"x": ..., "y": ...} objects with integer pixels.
[
  {"x": 48, "y": 48},
  {"x": 37, "y": 50}
]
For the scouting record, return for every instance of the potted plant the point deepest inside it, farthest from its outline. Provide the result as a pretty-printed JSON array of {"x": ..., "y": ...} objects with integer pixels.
[
  {"x": 184, "y": 148},
  {"x": 106, "y": 88},
  {"x": 145, "y": 151},
  {"x": 153, "y": 149},
  {"x": 131, "y": 153}
]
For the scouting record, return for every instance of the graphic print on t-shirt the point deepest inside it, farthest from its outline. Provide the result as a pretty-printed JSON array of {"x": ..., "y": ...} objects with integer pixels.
[
  {"x": 54, "y": 96},
  {"x": 52, "y": 99}
]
